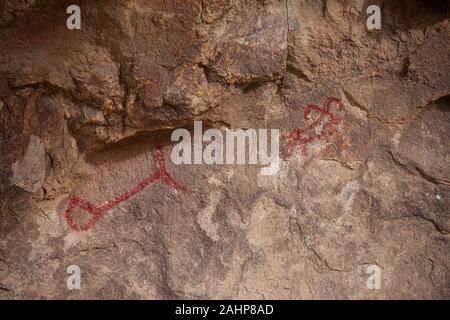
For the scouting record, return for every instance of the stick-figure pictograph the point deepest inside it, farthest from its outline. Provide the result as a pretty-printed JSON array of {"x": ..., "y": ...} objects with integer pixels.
[{"x": 96, "y": 212}]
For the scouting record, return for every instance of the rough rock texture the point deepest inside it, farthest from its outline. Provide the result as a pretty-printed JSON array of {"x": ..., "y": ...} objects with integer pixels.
[{"x": 82, "y": 111}]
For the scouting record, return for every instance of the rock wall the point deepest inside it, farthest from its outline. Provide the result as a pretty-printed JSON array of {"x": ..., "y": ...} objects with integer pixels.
[{"x": 83, "y": 111}]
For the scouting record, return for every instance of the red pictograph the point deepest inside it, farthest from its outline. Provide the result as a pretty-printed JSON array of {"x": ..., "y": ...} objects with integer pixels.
[
  {"x": 322, "y": 127},
  {"x": 96, "y": 212}
]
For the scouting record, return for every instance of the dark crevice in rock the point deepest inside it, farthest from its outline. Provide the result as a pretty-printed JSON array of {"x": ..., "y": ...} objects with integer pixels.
[{"x": 414, "y": 169}]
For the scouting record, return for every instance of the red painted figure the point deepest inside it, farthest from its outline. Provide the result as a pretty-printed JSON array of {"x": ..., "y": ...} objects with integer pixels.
[
  {"x": 299, "y": 137},
  {"x": 327, "y": 121},
  {"x": 96, "y": 212}
]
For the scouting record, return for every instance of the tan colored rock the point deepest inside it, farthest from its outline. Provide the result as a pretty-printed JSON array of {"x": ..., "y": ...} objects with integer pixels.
[
  {"x": 82, "y": 113},
  {"x": 29, "y": 172},
  {"x": 93, "y": 116}
]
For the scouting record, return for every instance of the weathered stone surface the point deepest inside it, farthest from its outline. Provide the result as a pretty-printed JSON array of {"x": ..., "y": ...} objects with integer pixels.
[
  {"x": 82, "y": 112},
  {"x": 29, "y": 172}
]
